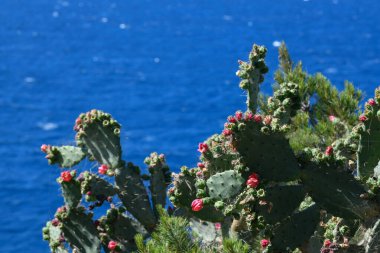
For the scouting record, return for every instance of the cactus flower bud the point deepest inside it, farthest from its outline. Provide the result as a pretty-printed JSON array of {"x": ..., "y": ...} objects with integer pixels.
[
  {"x": 202, "y": 147},
  {"x": 248, "y": 116},
  {"x": 197, "y": 205},
  {"x": 199, "y": 174},
  {"x": 253, "y": 180},
  {"x": 267, "y": 120},
  {"x": 55, "y": 222},
  {"x": 218, "y": 226},
  {"x": 227, "y": 132},
  {"x": 231, "y": 119},
  {"x": 239, "y": 115},
  {"x": 363, "y": 118},
  {"x": 264, "y": 243},
  {"x": 257, "y": 118},
  {"x": 371, "y": 102},
  {"x": 103, "y": 169},
  {"x": 44, "y": 148},
  {"x": 332, "y": 118},
  {"x": 66, "y": 176},
  {"x": 327, "y": 243},
  {"x": 112, "y": 245},
  {"x": 200, "y": 165},
  {"x": 329, "y": 150}
]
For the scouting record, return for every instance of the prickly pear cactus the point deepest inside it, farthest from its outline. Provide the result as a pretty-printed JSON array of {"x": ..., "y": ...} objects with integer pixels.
[
  {"x": 116, "y": 183},
  {"x": 250, "y": 179},
  {"x": 288, "y": 174}
]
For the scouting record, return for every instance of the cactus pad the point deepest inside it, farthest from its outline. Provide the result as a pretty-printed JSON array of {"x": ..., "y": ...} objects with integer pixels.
[
  {"x": 336, "y": 191},
  {"x": 80, "y": 231},
  {"x": 225, "y": 185},
  {"x": 269, "y": 155},
  {"x": 96, "y": 185},
  {"x": 99, "y": 134},
  {"x": 134, "y": 196},
  {"x": 71, "y": 193},
  {"x": 296, "y": 230},
  {"x": 53, "y": 234},
  {"x": 369, "y": 146},
  {"x": 159, "y": 179},
  {"x": 65, "y": 156},
  {"x": 279, "y": 204}
]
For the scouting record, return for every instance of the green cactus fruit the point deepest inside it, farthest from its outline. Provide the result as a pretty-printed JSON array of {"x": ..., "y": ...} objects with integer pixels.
[
  {"x": 99, "y": 135},
  {"x": 281, "y": 201},
  {"x": 295, "y": 230},
  {"x": 96, "y": 185},
  {"x": 270, "y": 155},
  {"x": 336, "y": 191},
  {"x": 133, "y": 194},
  {"x": 80, "y": 231},
  {"x": 65, "y": 156},
  {"x": 225, "y": 185}
]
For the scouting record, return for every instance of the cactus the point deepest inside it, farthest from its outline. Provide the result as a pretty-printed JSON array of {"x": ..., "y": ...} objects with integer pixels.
[
  {"x": 98, "y": 139},
  {"x": 255, "y": 182},
  {"x": 288, "y": 174}
]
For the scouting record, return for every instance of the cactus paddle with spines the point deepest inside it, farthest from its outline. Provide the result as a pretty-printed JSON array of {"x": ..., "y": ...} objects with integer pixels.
[
  {"x": 369, "y": 130},
  {"x": 225, "y": 185},
  {"x": 99, "y": 135},
  {"x": 160, "y": 178},
  {"x": 98, "y": 138},
  {"x": 64, "y": 156},
  {"x": 134, "y": 196}
]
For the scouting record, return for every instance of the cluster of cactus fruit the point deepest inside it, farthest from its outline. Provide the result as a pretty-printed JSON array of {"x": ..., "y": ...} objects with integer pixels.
[{"x": 255, "y": 182}]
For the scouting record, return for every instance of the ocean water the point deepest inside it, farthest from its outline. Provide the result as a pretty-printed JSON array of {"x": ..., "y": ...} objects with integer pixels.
[{"x": 164, "y": 68}]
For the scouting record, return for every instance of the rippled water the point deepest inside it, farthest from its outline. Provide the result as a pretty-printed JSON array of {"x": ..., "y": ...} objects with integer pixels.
[{"x": 164, "y": 68}]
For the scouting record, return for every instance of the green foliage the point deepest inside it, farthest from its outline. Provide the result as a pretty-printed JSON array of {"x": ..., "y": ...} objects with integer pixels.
[{"x": 171, "y": 235}]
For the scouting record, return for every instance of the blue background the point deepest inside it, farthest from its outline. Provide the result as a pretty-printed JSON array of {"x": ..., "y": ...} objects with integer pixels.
[{"x": 164, "y": 68}]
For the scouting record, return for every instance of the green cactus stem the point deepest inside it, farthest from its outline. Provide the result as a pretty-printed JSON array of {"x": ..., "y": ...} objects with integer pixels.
[{"x": 252, "y": 74}]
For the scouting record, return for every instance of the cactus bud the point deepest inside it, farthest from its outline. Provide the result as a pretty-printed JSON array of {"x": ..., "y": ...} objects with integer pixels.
[
  {"x": 197, "y": 205},
  {"x": 363, "y": 118},
  {"x": 112, "y": 245},
  {"x": 239, "y": 115},
  {"x": 257, "y": 118},
  {"x": 371, "y": 102},
  {"x": 253, "y": 180},
  {"x": 200, "y": 165},
  {"x": 264, "y": 243},
  {"x": 227, "y": 132},
  {"x": 103, "y": 169},
  {"x": 203, "y": 148},
  {"x": 329, "y": 150},
  {"x": 66, "y": 176},
  {"x": 44, "y": 148}
]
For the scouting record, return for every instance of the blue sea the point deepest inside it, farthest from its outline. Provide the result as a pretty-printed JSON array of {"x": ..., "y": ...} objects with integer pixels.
[{"x": 164, "y": 68}]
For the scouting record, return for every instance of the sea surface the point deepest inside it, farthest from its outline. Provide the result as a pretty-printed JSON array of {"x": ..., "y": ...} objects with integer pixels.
[{"x": 164, "y": 68}]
